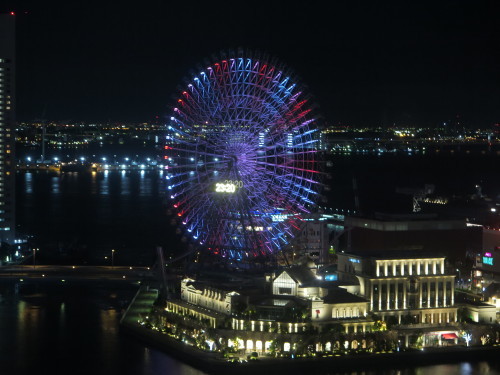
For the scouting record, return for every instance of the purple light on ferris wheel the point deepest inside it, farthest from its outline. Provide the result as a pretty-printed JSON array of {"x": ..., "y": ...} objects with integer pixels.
[{"x": 241, "y": 150}]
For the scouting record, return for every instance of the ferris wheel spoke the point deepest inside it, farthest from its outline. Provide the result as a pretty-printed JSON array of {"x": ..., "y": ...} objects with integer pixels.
[{"x": 288, "y": 167}]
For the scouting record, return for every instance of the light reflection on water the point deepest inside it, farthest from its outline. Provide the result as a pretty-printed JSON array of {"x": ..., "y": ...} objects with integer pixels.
[
  {"x": 465, "y": 368},
  {"x": 54, "y": 186},
  {"x": 104, "y": 187},
  {"x": 73, "y": 329},
  {"x": 28, "y": 182},
  {"x": 127, "y": 183},
  {"x": 87, "y": 213}
]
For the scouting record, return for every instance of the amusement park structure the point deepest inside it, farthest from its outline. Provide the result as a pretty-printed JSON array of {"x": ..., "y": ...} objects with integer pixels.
[{"x": 241, "y": 153}]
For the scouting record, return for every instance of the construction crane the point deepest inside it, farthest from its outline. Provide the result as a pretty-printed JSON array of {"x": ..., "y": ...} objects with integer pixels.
[{"x": 418, "y": 194}]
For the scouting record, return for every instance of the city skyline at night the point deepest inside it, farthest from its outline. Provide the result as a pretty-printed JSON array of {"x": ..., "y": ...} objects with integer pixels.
[
  {"x": 368, "y": 65},
  {"x": 281, "y": 187}
]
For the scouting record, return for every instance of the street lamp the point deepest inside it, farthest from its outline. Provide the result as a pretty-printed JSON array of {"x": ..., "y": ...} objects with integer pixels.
[{"x": 113, "y": 258}]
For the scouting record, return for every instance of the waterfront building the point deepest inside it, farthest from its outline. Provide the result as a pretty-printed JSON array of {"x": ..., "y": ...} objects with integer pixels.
[
  {"x": 296, "y": 300},
  {"x": 7, "y": 127},
  {"x": 313, "y": 238},
  {"x": 204, "y": 302},
  {"x": 486, "y": 269},
  {"x": 341, "y": 307},
  {"x": 492, "y": 295},
  {"x": 209, "y": 297},
  {"x": 409, "y": 287},
  {"x": 428, "y": 233},
  {"x": 480, "y": 312},
  {"x": 412, "y": 293},
  {"x": 298, "y": 281}
]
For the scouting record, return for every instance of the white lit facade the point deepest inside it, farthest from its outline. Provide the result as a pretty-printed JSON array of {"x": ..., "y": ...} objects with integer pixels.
[
  {"x": 415, "y": 287},
  {"x": 208, "y": 297}
]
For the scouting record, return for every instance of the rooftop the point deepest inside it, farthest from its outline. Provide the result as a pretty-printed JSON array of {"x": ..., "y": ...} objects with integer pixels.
[
  {"x": 340, "y": 295},
  {"x": 302, "y": 275},
  {"x": 388, "y": 254}
]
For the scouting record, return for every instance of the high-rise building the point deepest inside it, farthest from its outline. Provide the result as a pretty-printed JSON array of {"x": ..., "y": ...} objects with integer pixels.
[{"x": 7, "y": 127}]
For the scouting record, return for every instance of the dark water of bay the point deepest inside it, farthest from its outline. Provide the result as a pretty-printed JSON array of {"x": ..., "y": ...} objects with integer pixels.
[
  {"x": 73, "y": 329},
  {"x": 82, "y": 216}
]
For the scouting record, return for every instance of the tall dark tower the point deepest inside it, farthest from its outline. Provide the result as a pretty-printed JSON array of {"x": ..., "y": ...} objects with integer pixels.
[{"x": 7, "y": 127}]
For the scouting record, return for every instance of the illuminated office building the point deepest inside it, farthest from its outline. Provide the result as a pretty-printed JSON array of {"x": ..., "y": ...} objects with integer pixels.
[{"x": 7, "y": 127}]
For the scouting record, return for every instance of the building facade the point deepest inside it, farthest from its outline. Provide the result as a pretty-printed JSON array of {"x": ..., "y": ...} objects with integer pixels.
[
  {"x": 7, "y": 127},
  {"x": 411, "y": 288},
  {"x": 428, "y": 233},
  {"x": 486, "y": 269},
  {"x": 211, "y": 298}
]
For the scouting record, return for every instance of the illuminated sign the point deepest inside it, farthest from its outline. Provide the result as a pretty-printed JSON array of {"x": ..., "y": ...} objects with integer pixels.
[
  {"x": 256, "y": 228},
  {"x": 228, "y": 186},
  {"x": 279, "y": 218},
  {"x": 488, "y": 259},
  {"x": 224, "y": 188}
]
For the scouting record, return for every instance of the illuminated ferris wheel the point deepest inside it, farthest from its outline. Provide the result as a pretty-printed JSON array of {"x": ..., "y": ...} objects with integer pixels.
[{"x": 241, "y": 165}]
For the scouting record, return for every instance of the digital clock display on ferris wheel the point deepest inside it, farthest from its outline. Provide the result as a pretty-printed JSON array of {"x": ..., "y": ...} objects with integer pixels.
[{"x": 228, "y": 186}]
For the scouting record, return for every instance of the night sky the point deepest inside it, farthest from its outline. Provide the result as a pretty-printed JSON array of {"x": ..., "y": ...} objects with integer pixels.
[{"x": 366, "y": 63}]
